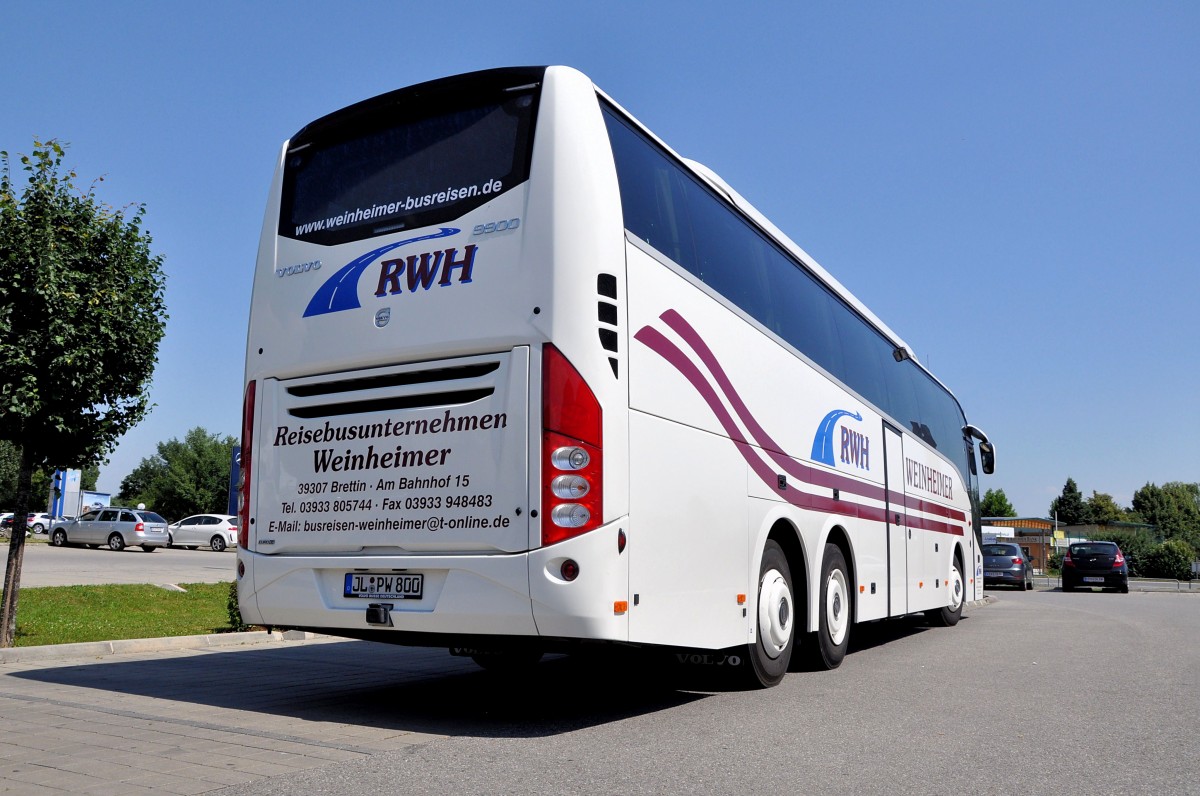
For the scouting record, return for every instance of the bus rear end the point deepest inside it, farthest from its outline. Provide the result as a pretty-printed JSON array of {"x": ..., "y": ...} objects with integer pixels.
[{"x": 425, "y": 420}]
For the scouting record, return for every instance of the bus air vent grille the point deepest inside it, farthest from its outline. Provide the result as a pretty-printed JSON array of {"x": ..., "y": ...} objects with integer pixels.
[
  {"x": 609, "y": 318},
  {"x": 390, "y": 389}
]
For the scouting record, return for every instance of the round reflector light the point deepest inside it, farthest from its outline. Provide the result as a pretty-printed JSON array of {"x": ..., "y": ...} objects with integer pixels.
[
  {"x": 570, "y": 515},
  {"x": 572, "y": 458},
  {"x": 570, "y": 487},
  {"x": 569, "y": 570}
]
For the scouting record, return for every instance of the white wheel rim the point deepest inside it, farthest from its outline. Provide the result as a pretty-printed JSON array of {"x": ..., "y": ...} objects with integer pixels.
[
  {"x": 956, "y": 589},
  {"x": 837, "y": 606},
  {"x": 775, "y": 613}
]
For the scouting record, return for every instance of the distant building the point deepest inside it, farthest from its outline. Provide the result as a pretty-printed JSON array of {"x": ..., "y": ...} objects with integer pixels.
[{"x": 1038, "y": 536}]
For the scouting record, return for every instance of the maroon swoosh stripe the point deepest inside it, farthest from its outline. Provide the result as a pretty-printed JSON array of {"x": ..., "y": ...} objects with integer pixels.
[{"x": 654, "y": 340}]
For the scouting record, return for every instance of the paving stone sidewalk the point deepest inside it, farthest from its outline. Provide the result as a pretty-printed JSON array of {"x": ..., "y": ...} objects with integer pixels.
[{"x": 165, "y": 719}]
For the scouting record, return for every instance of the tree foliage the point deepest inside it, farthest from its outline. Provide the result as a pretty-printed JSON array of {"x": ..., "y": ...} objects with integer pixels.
[
  {"x": 1174, "y": 508},
  {"x": 1101, "y": 508},
  {"x": 41, "y": 479},
  {"x": 995, "y": 504},
  {"x": 184, "y": 477},
  {"x": 1069, "y": 507},
  {"x": 81, "y": 316},
  {"x": 10, "y": 463}
]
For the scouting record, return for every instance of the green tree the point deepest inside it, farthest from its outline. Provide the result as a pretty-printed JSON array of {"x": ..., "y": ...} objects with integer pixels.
[
  {"x": 81, "y": 317},
  {"x": 1069, "y": 507},
  {"x": 995, "y": 504},
  {"x": 1102, "y": 508},
  {"x": 1174, "y": 508},
  {"x": 10, "y": 461},
  {"x": 188, "y": 477}
]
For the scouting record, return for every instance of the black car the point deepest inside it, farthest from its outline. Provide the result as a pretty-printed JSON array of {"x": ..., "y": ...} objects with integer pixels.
[
  {"x": 1100, "y": 564},
  {"x": 1005, "y": 564}
]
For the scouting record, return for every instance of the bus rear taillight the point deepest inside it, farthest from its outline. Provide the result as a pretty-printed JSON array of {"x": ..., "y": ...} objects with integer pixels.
[
  {"x": 246, "y": 457},
  {"x": 572, "y": 441}
]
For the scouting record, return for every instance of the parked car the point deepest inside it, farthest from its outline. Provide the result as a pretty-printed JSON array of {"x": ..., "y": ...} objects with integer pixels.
[
  {"x": 114, "y": 526},
  {"x": 1100, "y": 564},
  {"x": 1006, "y": 564},
  {"x": 218, "y": 531},
  {"x": 6, "y": 524},
  {"x": 41, "y": 522}
]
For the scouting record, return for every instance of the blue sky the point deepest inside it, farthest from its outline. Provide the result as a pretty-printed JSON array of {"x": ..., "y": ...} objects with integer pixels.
[{"x": 1014, "y": 187}]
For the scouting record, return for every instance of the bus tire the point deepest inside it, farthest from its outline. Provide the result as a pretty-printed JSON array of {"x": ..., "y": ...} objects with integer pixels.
[
  {"x": 949, "y": 615},
  {"x": 771, "y": 651},
  {"x": 832, "y": 638}
]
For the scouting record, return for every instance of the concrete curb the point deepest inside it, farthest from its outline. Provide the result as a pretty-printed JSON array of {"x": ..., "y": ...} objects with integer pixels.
[{"x": 97, "y": 649}]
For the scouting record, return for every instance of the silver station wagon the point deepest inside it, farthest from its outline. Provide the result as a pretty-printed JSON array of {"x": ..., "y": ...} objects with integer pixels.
[{"x": 116, "y": 527}]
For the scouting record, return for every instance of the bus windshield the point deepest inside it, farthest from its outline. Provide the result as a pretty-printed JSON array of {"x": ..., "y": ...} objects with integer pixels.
[{"x": 404, "y": 164}]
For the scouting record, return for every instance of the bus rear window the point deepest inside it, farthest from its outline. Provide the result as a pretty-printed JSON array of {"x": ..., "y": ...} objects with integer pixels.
[{"x": 400, "y": 162}]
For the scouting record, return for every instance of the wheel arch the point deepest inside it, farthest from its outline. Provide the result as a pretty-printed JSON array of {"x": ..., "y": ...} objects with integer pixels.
[
  {"x": 841, "y": 538},
  {"x": 785, "y": 534}
]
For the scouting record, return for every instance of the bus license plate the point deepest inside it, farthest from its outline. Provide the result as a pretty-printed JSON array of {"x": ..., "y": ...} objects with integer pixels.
[{"x": 384, "y": 586}]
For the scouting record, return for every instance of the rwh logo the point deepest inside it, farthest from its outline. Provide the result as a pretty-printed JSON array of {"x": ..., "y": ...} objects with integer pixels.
[
  {"x": 422, "y": 269},
  {"x": 340, "y": 291},
  {"x": 855, "y": 447}
]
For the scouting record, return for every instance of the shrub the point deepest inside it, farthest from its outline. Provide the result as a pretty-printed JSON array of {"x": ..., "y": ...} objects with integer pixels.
[
  {"x": 1137, "y": 545},
  {"x": 235, "y": 613},
  {"x": 1171, "y": 559},
  {"x": 1054, "y": 562}
]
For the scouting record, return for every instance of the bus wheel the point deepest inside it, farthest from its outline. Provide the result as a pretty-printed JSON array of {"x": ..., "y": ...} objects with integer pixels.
[
  {"x": 828, "y": 649},
  {"x": 949, "y": 616},
  {"x": 772, "y": 650}
]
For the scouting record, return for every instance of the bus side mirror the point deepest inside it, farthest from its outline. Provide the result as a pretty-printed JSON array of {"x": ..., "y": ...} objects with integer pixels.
[
  {"x": 987, "y": 452},
  {"x": 987, "y": 456}
]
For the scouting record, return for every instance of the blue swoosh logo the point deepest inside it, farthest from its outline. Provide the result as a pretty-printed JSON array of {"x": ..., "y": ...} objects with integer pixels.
[
  {"x": 822, "y": 449},
  {"x": 340, "y": 291}
]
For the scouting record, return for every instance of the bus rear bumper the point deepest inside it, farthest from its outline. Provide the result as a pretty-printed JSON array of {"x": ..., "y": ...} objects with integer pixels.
[
  {"x": 506, "y": 595},
  {"x": 461, "y": 595}
]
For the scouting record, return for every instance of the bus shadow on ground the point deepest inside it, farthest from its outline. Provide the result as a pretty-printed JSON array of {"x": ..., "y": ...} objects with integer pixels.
[
  {"x": 363, "y": 683},
  {"x": 398, "y": 688},
  {"x": 869, "y": 635}
]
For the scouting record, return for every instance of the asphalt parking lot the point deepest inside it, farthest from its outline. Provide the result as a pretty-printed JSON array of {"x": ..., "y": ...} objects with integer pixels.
[{"x": 935, "y": 707}]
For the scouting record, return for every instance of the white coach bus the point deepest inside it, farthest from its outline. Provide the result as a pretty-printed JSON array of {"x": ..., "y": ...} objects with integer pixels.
[{"x": 519, "y": 378}]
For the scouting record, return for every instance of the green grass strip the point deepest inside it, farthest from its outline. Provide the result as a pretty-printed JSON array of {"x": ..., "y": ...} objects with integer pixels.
[{"x": 69, "y": 614}]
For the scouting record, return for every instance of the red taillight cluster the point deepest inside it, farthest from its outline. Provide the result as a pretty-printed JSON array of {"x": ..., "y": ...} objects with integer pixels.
[
  {"x": 1119, "y": 561},
  {"x": 572, "y": 446},
  {"x": 1018, "y": 560},
  {"x": 246, "y": 456},
  {"x": 1067, "y": 562},
  {"x": 139, "y": 527}
]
